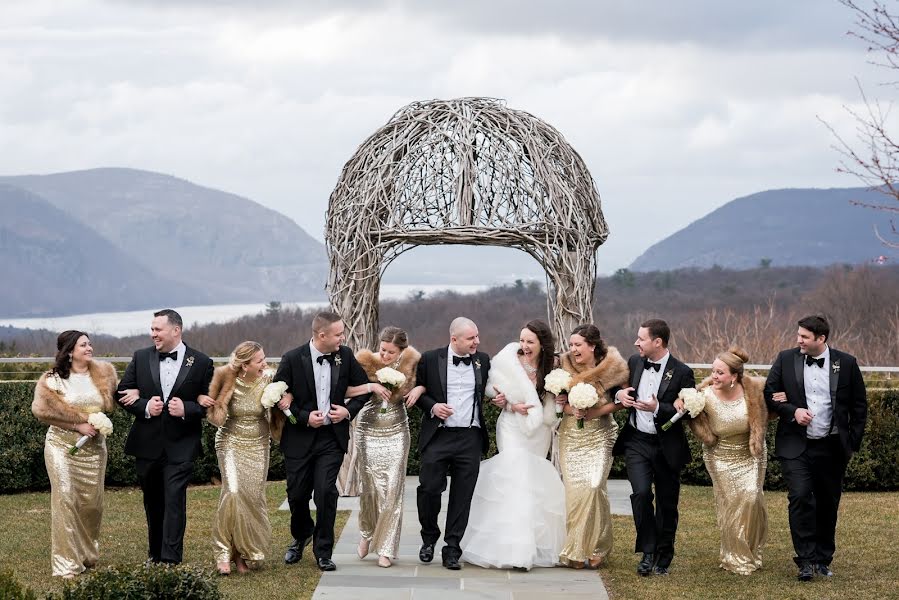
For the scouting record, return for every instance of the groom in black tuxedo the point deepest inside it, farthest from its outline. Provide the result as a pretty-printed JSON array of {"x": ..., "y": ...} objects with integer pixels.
[
  {"x": 654, "y": 456},
  {"x": 161, "y": 388},
  {"x": 317, "y": 375},
  {"x": 819, "y": 394},
  {"x": 453, "y": 436}
]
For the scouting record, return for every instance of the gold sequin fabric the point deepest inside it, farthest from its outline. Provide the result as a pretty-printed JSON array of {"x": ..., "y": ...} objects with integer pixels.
[
  {"x": 76, "y": 485},
  {"x": 585, "y": 456},
  {"x": 737, "y": 477},
  {"x": 241, "y": 523},
  {"x": 382, "y": 444}
]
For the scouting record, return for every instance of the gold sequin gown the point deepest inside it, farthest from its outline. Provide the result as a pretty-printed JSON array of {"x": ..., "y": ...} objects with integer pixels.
[
  {"x": 737, "y": 477},
  {"x": 76, "y": 482},
  {"x": 382, "y": 446},
  {"x": 585, "y": 457},
  {"x": 241, "y": 523}
]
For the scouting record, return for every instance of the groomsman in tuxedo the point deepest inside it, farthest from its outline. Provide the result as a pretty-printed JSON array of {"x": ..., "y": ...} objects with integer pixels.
[
  {"x": 453, "y": 436},
  {"x": 819, "y": 394},
  {"x": 317, "y": 375},
  {"x": 653, "y": 456},
  {"x": 161, "y": 388}
]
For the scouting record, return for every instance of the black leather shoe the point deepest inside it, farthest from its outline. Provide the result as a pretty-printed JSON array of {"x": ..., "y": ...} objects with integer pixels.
[
  {"x": 823, "y": 570},
  {"x": 806, "y": 572},
  {"x": 426, "y": 553},
  {"x": 644, "y": 567},
  {"x": 295, "y": 551},
  {"x": 657, "y": 570},
  {"x": 326, "y": 564},
  {"x": 451, "y": 563}
]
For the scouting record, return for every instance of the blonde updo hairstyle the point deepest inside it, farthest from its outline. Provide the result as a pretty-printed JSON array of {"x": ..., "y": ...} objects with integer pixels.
[
  {"x": 243, "y": 354},
  {"x": 396, "y": 336},
  {"x": 735, "y": 357}
]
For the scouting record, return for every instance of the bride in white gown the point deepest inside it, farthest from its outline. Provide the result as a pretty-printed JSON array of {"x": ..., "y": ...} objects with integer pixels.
[{"x": 517, "y": 517}]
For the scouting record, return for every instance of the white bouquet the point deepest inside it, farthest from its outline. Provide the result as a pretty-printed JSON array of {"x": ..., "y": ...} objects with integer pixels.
[
  {"x": 391, "y": 379},
  {"x": 694, "y": 403},
  {"x": 556, "y": 382},
  {"x": 100, "y": 422},
  {"x": 271, "y": 395},
  {"x": 582, "y": 396}
]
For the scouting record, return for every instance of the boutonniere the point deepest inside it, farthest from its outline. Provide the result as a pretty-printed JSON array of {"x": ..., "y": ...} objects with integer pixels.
[
  {"x": 835, "y": 366},
  {"x": 189, "y": 362},
  {"x": 477, "y": 364},
  {"x": 669, "y": 374},
  {"x": 337, "y": 360}
]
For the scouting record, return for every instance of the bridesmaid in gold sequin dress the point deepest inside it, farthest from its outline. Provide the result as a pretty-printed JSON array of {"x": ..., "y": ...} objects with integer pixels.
[
  {"x": 241, "y": 531},
  {"x": 732, "y": 428},
  {"x": 63, "y": 398},
  {"x": 382, "y": 444},
  {"x": 586, "y": 454}
]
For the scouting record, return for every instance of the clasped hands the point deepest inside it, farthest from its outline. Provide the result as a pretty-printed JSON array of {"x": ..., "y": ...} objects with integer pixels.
[
  {"x": 337, "y": 414},
  {"x": 502, "y": 402},
  {"x": 628, "y": 398},
  {"x": 155, "y": 405}
]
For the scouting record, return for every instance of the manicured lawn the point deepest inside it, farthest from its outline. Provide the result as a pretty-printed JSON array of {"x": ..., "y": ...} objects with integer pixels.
[
  {"x": 25, "y": 541},
  {"x": 865, "y": 564}
]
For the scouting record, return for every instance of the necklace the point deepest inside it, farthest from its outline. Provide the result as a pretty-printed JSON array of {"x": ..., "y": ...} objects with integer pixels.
[{"x": 527, "y": 367}]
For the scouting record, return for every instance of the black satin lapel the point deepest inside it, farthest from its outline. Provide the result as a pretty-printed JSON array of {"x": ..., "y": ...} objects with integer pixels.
[
  {"x": 186, "y": 364},
  {"x": 635, "y": 378},
  {"x": 335, "y": 376},
  {"x": 309, "y": 372},
  {"x": 834, "y": 378},
  {"x": 667, "y": 375},
  {"x": 478, "y": 378},
  {"x": 442, "y": 361},
  {"x": 154, "y": 370},
  {"x": 799, "y": 369}
]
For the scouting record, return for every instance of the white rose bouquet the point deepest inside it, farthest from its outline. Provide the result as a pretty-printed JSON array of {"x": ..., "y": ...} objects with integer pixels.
[
  {"x": 557, "y": 381},
  {"x": 391, "y": 379},
  {"x": 271, "y": 395},
  {"x": 101, "y": 423},
  {"x": 582, "y": 396},
  {"x": 694, "y": 403}
]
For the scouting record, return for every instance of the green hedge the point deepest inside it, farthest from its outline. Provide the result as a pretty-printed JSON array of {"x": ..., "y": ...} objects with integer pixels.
[{"x": 875, "y": 467}]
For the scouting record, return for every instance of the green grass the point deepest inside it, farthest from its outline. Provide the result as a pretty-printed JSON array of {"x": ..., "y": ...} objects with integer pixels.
[
  {"x": 865, "y": 564},
  {"x": 25, "y": 541}
]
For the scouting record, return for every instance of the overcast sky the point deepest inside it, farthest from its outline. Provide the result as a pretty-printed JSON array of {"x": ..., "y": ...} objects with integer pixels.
[{"x": 676, "y": 107}]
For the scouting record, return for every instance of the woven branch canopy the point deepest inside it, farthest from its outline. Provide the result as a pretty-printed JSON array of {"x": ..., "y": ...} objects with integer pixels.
[{"x": 466, "y": 171}]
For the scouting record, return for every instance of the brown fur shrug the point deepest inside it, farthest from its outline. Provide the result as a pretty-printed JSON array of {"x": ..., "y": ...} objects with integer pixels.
[
  {"x": 50, "y": 406},
  {"x": 371, "y": 362},
  {"x": 753, "y": 388},
  {"x": 221, "y": 388},
  {"x": 611, "y": 372}
]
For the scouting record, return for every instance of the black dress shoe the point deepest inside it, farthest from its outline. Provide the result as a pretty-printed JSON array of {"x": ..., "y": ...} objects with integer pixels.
[
  {"x": 426, "y": 553},
  {"x": 806, "y": 572},
  {"x": 644, "y": 567},
  {"x": 823, "y": 570},
  {"x": 326, "y": 564},
  {"x": 295, "y": 551},
  {"x": 657, "y": 570},
  {"x": 451, "y": 563}
]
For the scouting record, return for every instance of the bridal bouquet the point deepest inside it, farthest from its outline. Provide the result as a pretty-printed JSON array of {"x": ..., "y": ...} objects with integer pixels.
[
  {"x": 556, "y": 382},
  {"x": 100, "y": 422},
  {"x": 694, "y": 403},
  {"x": 391, "y": 379},
  {"x": 271, "y": 395},
  {"x": 582, "y": 396}
]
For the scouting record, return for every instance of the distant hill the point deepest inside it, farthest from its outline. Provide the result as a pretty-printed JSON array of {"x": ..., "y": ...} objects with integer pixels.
[
  {"x": 808, "y": 227},
  {"x": 160, "y": 239}
]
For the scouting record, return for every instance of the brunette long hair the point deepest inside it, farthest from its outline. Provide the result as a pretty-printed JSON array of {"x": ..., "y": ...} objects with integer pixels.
[
  {"x": 65, "y": 344},
  {"x": 547, "y": 350},
  {"x": 592, "y": 336}
]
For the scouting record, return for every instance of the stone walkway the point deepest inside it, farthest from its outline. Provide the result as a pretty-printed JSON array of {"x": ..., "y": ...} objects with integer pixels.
[{"x": 409, "y": 578}]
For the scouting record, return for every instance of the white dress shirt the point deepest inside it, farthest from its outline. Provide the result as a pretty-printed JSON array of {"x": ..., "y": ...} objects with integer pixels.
[
  {"x": 168, "y": 373},
  {"x": 817, "y": 397},
  {"x": 460, "y": 384},
  {"x": 649, "y": 386},
  {"x": 322, "y": 373}
]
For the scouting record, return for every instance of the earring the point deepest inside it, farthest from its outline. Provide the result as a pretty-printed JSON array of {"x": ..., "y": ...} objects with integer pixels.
[
  {"x": 732, "y": 382},
  {"x": 70, "y": 358}
]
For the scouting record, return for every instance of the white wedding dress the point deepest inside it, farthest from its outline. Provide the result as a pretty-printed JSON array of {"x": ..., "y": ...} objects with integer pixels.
[{"x": 517, "y": 516}]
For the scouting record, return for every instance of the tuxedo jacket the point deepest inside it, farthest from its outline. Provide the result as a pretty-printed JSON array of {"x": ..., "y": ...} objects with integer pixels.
[
  {"x": 178, "y": 438},
  {"x": 676, "y": 377},
  {"x": 431, "y": 373},
  {"x": 847, "y": 393},
  {"x": 296, "y": 371}
]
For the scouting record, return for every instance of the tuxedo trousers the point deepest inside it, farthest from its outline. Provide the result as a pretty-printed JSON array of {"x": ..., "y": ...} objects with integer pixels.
[
  {"x": 647, "y": 467},
  {"x": 314, "y": 476},
  {"x": 164, "y": 485},
  {"x": 453, "y": 451},
  {"x": 815, "y": 483}
]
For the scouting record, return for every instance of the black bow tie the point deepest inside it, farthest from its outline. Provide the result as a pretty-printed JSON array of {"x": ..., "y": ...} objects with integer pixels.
[
  {"x": 461, "y": 359},
  {"x": 648, "y": 364},
  {"x": 814, "y": 361},
  {"x": 165, "y": 355},
  {"x": 326, "y": 357}
]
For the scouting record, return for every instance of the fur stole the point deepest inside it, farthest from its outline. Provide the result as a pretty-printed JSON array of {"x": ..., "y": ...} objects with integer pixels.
[
  {"x": 221, "y": 389},
  {"x": 611, "y": 372},
  {"x": 509, "y": 377},
  {"x": 49, "y": 402},
  {"x": 371, "y": 362},
  {"x": 753, "y": 388}
]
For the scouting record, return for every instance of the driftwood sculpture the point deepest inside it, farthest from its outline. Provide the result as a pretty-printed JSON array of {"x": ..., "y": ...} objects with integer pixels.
[{"x": 465, "y": 171}]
